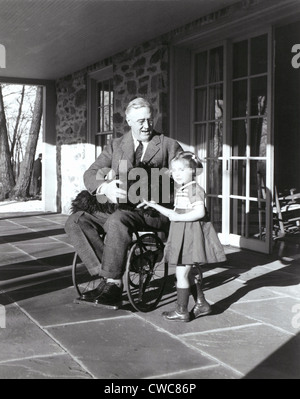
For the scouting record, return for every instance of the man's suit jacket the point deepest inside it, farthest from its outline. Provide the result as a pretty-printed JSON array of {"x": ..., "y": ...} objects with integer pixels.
[{"x": 160, "y": 151}]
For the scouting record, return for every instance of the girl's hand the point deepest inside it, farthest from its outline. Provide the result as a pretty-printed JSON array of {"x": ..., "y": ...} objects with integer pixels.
[{"x": 147, "y": 204}]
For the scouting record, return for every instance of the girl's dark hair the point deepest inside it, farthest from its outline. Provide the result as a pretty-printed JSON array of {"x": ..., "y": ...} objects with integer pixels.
[{"x": 191, "y": 159}]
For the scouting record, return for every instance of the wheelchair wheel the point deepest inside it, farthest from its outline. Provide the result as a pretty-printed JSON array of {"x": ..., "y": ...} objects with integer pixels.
[
  {"x": 83, "y": 280},
  {"x": 146, "y": 272}
]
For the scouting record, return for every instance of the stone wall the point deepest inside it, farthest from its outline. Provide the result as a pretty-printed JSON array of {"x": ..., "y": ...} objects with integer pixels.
[{"x": 141, "y": 72}]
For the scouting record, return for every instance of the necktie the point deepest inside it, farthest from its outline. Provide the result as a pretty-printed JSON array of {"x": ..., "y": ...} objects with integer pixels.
[{"x": 138, "y": 153}]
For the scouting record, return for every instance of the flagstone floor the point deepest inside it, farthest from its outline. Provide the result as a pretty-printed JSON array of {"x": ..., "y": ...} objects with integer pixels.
[{"x": 253, "y": 331}]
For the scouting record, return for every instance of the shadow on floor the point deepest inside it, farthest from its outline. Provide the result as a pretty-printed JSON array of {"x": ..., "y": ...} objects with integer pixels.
[{"x": 282, "y": 364}]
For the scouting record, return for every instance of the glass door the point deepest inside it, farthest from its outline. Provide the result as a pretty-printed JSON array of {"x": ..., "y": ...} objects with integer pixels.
[
  {"x": 232, "y": 136},
  {"x": 250, "y": 161}
]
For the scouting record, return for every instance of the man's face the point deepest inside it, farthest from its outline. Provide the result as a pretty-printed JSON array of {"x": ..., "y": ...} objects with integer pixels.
[{"x": 141, "y": 122}]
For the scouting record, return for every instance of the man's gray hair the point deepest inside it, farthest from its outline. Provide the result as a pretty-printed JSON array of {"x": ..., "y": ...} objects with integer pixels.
[{"x": 138, "y": 102}]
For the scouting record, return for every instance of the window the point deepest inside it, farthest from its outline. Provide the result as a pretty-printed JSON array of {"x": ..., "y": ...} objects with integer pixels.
[
  {"x": 249, "y": 136},
  {"x": 100, "y": 108},
  {"x": 104, "y": 117}
]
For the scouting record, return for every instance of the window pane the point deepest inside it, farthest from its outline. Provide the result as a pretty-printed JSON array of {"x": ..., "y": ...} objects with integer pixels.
[
  {"x": 111, "y": 118},
  {"x": 105, "y": 106},
  {"x": 214, "y": 177},
  {"x": 239, "y": 138},
  {"x": 102, "y": 140},
  {"x": 216, "y": 65},
  {"x": 215, "y": 140},
  {"x": 200, "y": 68},
  {"x": 238, "y": 217},
  {"x": 200, "y": 104},
  {"x": 100, "y": 120},
  {"x": 258, "y": 179},
  {"x": 106, "y": 115},
  {"x": 99, "y": 94},
  {"x": 257, "y": 220},
  {"x": 258, "y": 95},
  {"x": 239, "y": 101},
  {"x": 258, "y": 137},
  {"x": 215, "y": 102},
  {"x": 214, "y": 207},
  {"x": 200, "y": 140},
  {"x": 249, "y": 225},
  {"x": 240, "y": 59},
  {"x": 259, "y": 55},
  {"x": 238, "y": 178}
]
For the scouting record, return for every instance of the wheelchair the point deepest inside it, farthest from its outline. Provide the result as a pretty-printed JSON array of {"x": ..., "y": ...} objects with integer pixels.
[{"x": 145, "y": 272}]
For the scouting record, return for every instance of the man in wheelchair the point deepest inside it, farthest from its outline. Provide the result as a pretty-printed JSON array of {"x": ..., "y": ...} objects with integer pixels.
[{"x": 106, "y": 207}]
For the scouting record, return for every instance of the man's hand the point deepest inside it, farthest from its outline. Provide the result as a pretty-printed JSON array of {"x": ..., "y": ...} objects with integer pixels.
[{"x": 112, "y": 191}]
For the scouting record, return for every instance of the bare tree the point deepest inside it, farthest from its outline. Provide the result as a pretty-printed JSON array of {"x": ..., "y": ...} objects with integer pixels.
[
  {"x": 16, "y": 128},
  {"x": 23, "y": 183},
  {"x": 6, "y": 171}
]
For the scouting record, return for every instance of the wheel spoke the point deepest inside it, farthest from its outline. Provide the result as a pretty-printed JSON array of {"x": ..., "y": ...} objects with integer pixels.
[{"x": 145, "y": 272}]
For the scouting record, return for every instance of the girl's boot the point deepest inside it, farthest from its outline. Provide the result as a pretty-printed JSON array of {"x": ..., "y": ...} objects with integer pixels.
[
  {"x": 181, "y": 312},
  {"x": 202, "y": 307}
]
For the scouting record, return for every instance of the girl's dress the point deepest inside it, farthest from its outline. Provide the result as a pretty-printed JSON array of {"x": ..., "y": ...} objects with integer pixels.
[{"x": 192, "y": 242}]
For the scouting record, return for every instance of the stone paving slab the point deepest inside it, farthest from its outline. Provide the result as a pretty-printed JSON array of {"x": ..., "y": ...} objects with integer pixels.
[
  {"x": 41, "y": 284},
  {"x": 280, "y": 312},
  {"x": 128, "y": 347},
  {"x": 43, "y": 247},
  {"x": 10, "y": 254},
  {"x": 46, "y": 367},
  {"x": 33, "y": 223},
  {"x": 242, "y": 348},
  {"x": 9, "y": 229},
  {"x": 58, "y": 307},
  {"x": 25, "y": 235},
  {"x": 292, "y": 291},
  {"x": 55, "y": 218},
  {"x": 212, "y": 372},
  {"x": 21, "y": 338},
  {"x": 10, "y": 272}
]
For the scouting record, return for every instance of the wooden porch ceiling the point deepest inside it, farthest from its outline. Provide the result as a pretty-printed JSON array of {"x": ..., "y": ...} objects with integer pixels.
[{"x": 48, "y": 39}]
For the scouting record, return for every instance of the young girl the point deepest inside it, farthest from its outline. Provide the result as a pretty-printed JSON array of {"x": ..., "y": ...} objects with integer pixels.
[{"x": 192, "y": 238}]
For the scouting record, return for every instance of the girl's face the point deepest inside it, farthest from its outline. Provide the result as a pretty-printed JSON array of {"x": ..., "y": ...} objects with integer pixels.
[{"x": 181, "y": 172}]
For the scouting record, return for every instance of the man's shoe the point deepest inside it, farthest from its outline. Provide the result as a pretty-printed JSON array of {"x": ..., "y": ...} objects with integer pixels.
[
  {"x": 93, "y": 294},
  {"x": 111, "y": 295}
]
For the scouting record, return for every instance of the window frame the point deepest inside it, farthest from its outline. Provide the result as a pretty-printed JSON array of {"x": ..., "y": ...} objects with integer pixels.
[{"x": 94, "y": 79}]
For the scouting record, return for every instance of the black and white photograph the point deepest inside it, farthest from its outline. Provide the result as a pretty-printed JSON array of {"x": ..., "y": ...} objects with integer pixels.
[{"x": 150, "y": 192}]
